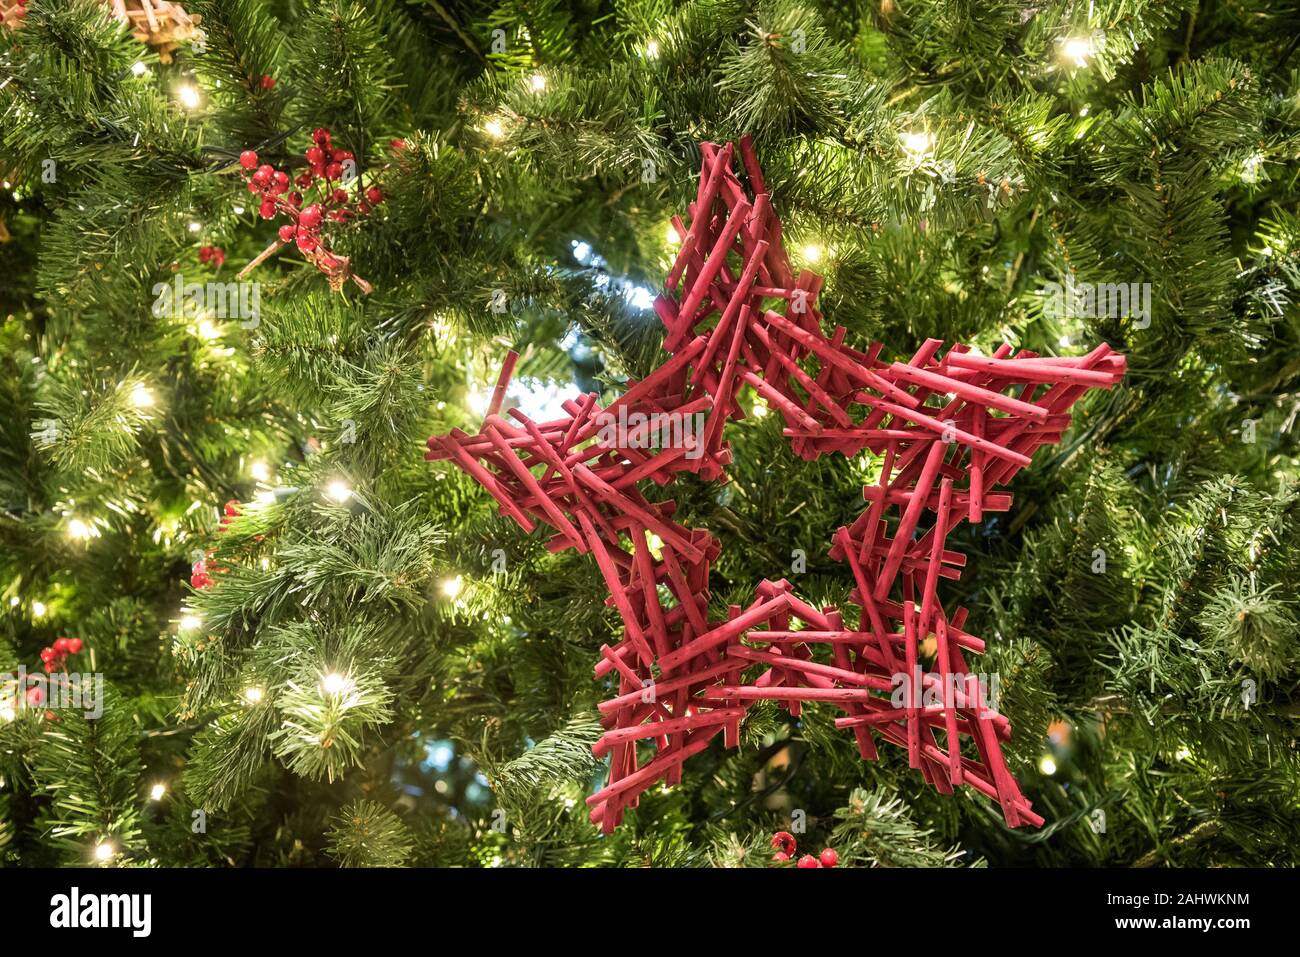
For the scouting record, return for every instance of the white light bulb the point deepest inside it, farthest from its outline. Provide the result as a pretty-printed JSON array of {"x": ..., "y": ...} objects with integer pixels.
[
  {"x": 537, "y": 82},
  {"x": 189, "y": 96},
  {"x": 917, "y": 143},
  {"x": 141, "y": 397},
  {"x": 339, "y": 491},
  {"x": 652, "y": 49},
  {"x": 207, "y": 330},
  {"x": 13, "y": 602},
  {"x": 812, "y": 253},
  {"x": 7, "y": 713},
  {"x": 1077, "y": 49},
  {"x": 335, "y": 683},
  {"x": 79, "y": 530},
  {"x": 259, "y": 471},
  {"x": 673, "y": 238},
  {"x": 451, "y": 587},
  {"x": 195, "y": 227},
  {"x": 1047, "y": 764},
  {"x": 253, "y": 695},
  {"x": 138, "y": 68},
  {"x": 38, "y": 609},
  {"x": 494, "y": 129},
  {"x": 190, "y": 622},
  {"x": 104, "y": 851},
  {"x": 157, "y": 791}
]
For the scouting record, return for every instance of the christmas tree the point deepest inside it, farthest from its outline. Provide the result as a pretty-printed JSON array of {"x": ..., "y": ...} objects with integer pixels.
[{"x": 256, "y": 253}]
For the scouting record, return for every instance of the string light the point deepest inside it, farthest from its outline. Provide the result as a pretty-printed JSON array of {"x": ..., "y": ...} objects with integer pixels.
[
  {"x": 141, "y": 397},
  {"x": 38, "y": 609},
  {"x": 812, "y": 253},
  {"x": 13, "y": 602},
  {"x": 104, "y": 851},
  {"x": 1077, "y": 50},
  {"x": 335, "y": 683},
  {"x": 673, "y": 238},
  {"x": 253, "y": 694},
  {"x": 760, "y": 408},
  {"x": 652, "y": 50},
  {"x": 138, "y": 68},
  {"x": 494, "y": 129},
  {"x": 208, "y": 330},
  {"x": 451, "y": 587},
  {"x": 339, "y": 491},
  {"x": 1047, "y": 764},
  {"x": 259, "y": 471},
  {"x": 189, "y": 96},
  {"x": 190, "y": 622},
  {"x": 157, "y": 792},
  {"x": 79, "y": 530},
  {"x": 917, "y": 143},
  {"x": 537, "y": 82}
]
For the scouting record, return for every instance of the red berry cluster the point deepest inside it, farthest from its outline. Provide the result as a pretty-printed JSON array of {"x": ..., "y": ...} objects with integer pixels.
[
  {"x": 331, "y": 202},
  {"x": 228, "y": 514},
  {"x": 785, "y": 843},
  {"x": 268, "y": 83},
  {"x": 56, "y": 658},
  {"x": 213, "y": 255}
]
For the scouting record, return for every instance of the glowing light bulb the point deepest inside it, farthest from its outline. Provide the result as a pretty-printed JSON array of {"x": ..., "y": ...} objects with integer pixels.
[
  {"x": 760, "y": 409},
  {"x": 537, "y": 82},
  {"x": 671, "y": 234},
  {"x": 138, "y": 68},
  {"x": 656, "y": 546},
  {"x": 157, "y": 791},
  {"x": 104, "y": 851},
  {"x": 253, "y": 695},
  {"x": 38, "y": 609},
  {"x": 917, "y": 143},
  {"x": 1183, "y": 753},
  {"x": 7, "y": 713},
  {"x": 652, "y": 50},
  {"x": 190, "y": 622},
  {"x": 13, "y": 602},
  {"x": 208, "y": 330},
  {"x": 451, "y": 587},
  {"x": 812, "y": 253},
  {"x": 1077, "y": 50},
  {"x": 494, "y": 129},
  {"x": 1047, "y": 764},
  {"x": 79, "y": 530},
  {"x": 195, "y": 227},
  {"x": 141, "y": 397},
  {"x": 335, "y": 683},
  {"x": 259, "y": 471},
  {"x": 189, "y": 96},
  {"x": 339, "y": 491}
]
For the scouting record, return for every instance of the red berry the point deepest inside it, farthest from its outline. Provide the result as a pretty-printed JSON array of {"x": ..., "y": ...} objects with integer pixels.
[
  {"x": 374, "y": 195},
  {"x": 304, "y": 179},
  {"x": 253, "y": 187},
  {"x": 248, "y": 159},
  {"x": 808, "y": 861},
  {"x": 75, "y": 645},
  {"x": 281, "y": 180},
  {"x": 781, "y": 856},
  {"x": 205, "y": 253},
  {"x": 61, "y": 646},
  {"x": 287, "y": 232},
  {"x": 785, "y": 841},
  {"x": 267, "y": 209},
  {"x": 36, "y": 696},
  {"x": 218, "y": 256},
  {"x": 339, "y": 196},
  {"x": 315, "y": 155},
  {"x": 320, "y": 136},
  {"x": 295, "y": 198},
  {"x": 268, "y": 82},
  {"x": 232, "y": 508},
  {"x": 48, "y": 655},
  {"x": 310, "y": 217},
  {"x": 306, "y": 242},
  {"x": 264, "y": 173},
  {"x": 334, "y": 171},
  {"x": 398, "y": 145},
  {"x": 829, "y": 858},
  {"x": 48, "y": 667}
]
